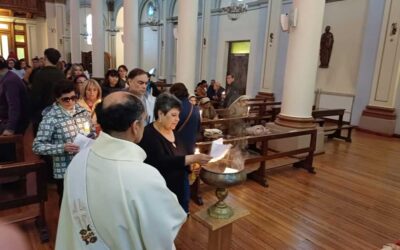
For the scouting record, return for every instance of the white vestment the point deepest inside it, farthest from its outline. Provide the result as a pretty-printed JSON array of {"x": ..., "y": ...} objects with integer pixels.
[{"x": 129, "y": 202}]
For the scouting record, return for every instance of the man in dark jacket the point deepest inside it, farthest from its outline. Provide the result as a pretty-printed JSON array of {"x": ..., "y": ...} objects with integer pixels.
[
  {"x": 232, "y": 90},
  {"x": 13, "y": 108},
  {"x": 42, "y": 85}
]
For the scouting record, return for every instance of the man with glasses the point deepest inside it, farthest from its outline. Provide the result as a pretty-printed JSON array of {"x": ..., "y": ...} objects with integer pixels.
[
  {"x": 137, "y": 81},
  {"x": 112, "y": 199}
]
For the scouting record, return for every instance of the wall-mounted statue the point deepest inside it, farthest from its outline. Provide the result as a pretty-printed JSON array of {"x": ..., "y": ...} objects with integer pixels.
[{"x": 326, "y": 46}]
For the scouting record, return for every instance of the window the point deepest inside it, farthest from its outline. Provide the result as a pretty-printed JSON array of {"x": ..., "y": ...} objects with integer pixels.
[
  {"x": 89, "y": 29},
  {"x": 150, "y": 9},
  {"x": 4, "y": 46},
  {"x": 240, "y": 48},
  {"x": 21, "y": 53},
  {"x": 3, "y": 26},
  {"x": 20, "y": 39}
]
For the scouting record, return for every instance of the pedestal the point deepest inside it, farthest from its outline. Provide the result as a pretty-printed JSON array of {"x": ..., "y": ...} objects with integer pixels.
[{"x": 220, "y": 230}]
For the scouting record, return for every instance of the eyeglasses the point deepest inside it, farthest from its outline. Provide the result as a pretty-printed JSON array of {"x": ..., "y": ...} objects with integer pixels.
[{"x": 68, "y": 99}]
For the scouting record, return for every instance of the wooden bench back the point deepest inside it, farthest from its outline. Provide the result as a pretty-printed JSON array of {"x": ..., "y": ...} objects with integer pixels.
[{"x": 16, "y": 141}]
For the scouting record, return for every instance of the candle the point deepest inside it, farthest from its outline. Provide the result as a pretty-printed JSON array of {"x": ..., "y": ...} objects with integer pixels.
[
  {"x": 248, "y": 110},
  {"x": 201, "y": 113},
  {"x": 197, "y": 151}
]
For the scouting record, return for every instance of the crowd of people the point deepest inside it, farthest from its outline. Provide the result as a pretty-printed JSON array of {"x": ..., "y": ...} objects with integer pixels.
[{"x": 143, "y": 150}]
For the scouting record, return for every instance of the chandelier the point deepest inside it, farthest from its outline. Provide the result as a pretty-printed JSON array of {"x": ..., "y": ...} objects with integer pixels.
[{"x": 234, "y": 10}]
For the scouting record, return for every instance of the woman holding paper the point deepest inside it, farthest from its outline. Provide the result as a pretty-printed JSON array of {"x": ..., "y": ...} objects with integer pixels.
[
  {"x": 61, "y": 123},
  {"x": 166, "y": 152}
]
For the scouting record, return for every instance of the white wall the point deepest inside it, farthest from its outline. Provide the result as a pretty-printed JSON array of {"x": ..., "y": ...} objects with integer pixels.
[
  {"x": 346, "y": 19},
  {"x": 247, "y": 27},
  {"x": 83, "y": 12},
  {"x": 149, "y": 53}
]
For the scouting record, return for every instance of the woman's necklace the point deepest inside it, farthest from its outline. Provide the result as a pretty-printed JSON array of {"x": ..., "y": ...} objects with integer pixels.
[{"x": 168, "y": 135}]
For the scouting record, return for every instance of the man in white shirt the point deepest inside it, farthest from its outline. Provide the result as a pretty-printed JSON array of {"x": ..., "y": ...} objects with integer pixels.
[
  {"x": 137, "y": 81},
  {"x": 125, "y": 203}
]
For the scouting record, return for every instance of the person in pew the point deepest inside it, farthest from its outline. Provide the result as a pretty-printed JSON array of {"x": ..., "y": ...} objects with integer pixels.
[
  {"x": 14, "y": 115},
  {"x": 193, "y": 100},
  {"x": 208, "y": 111},
  {"x": 76, "y": 70},
  {"x": 79, "y": 83},
  {"x": 122, "y": 75},
  {"x": 238, "y": 108},
  {"x": 123, "y": 202},
  {"x": 61, "y": 123},
  {"x": 232, "y": 91},
  {"x": 90, "y": 97},
  {"x": 166, "y": 151},
  {"x": 111, "y": 83},
  {"x": 218, "y": 90}
]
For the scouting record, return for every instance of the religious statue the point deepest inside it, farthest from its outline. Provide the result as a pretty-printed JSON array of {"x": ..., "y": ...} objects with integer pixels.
[{"x": 325, "y": 50}]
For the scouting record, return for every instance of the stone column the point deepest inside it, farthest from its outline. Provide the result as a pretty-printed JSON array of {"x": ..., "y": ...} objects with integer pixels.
[
  {"x": 74, "y": 21},
  {"x": 98, "y": 39},
  {"x": 186, "y": 54},
  {"x": 205, "y": 40},
  {"x": 131, "y": 34},
  {"x": 301, "y": 65},
  {"x": 51, "y": 25}
]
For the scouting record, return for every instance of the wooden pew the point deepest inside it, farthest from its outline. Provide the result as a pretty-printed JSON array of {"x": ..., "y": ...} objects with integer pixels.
[
  {"x": 257, "y": 107},
  {"x": 267, "y": 156},
  {"x": 17, "y": 142},
  {"x": 338, "y": 125},
  {"x": 28, "y": 187}
]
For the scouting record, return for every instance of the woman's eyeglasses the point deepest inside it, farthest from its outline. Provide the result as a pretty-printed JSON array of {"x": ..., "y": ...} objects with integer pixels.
[{"x": 68, "y": 99}]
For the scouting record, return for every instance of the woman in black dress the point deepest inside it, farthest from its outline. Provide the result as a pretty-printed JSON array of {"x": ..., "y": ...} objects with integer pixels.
[{"x": 166, "y": 152}]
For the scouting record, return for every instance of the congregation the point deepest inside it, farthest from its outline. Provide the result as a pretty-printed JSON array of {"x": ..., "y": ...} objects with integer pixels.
[{"x": 133, "y": 124}]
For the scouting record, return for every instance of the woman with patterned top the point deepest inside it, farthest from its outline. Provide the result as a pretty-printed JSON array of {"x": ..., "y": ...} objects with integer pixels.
[{"x": 61, "y": 123}]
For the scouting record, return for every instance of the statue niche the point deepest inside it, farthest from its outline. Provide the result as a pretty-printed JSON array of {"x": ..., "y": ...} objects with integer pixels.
[{"x": 326, "y": 46}]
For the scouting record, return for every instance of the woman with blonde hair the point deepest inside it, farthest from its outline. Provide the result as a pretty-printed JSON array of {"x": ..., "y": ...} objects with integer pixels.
[{"x": 90, "y": 97}]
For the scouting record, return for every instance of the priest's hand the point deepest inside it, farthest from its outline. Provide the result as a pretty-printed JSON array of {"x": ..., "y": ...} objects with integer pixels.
[{"x": 71, "y": 148}]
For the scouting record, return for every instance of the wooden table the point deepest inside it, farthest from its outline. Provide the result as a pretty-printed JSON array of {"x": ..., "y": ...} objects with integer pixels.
[{"x": 220, "y": 230}]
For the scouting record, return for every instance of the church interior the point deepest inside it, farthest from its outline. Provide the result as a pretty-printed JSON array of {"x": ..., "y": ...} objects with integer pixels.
[{"x": 321, "y": 82}]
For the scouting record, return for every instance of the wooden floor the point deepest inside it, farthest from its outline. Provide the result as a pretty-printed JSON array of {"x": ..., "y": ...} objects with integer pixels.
[{"x": 353, "y": 202}]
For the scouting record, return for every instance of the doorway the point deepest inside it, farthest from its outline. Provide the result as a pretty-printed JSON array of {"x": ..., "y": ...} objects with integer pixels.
[{"x": 238, "y": 63}]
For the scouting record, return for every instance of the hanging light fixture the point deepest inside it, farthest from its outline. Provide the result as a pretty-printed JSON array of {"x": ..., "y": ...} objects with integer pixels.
[{"x": 235, "y": 10}]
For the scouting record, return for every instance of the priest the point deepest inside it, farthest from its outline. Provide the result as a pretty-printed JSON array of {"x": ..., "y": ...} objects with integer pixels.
[{"x": 112, "y": 200}]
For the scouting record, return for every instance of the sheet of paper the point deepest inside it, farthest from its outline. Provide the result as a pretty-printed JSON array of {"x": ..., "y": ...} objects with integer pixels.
[
  {"x": 83, "y": 141},
  {"x": 219, "y": 150}
]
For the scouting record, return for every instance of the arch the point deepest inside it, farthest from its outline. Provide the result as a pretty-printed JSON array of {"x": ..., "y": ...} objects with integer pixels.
[{"x": 143, "y": 12}]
